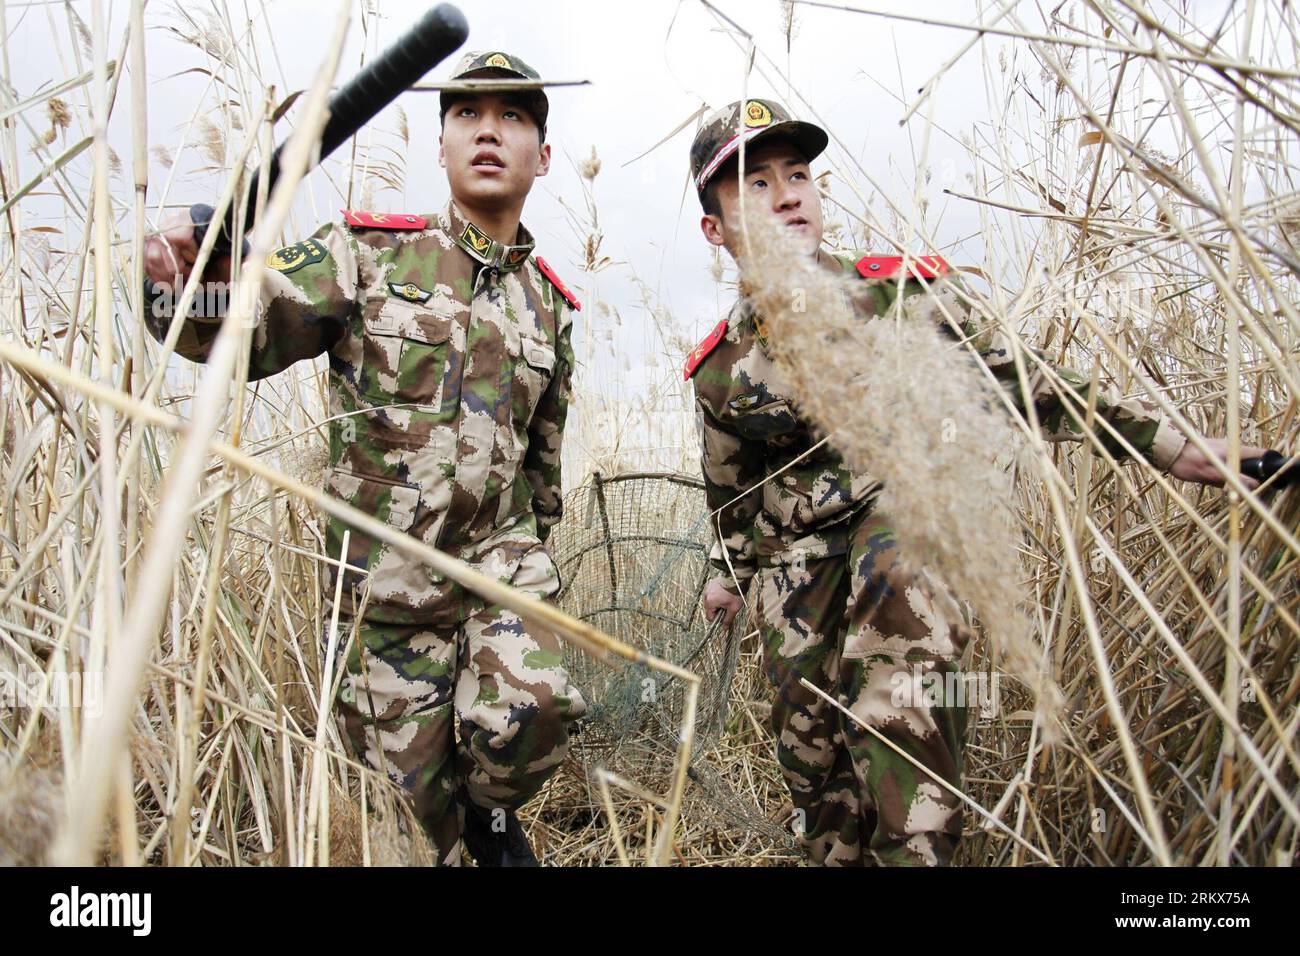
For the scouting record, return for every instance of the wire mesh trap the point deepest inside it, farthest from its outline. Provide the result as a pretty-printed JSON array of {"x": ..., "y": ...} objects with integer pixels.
[
  {"x": 633, "y": 559},
  {"x": 632, "y": 553}
]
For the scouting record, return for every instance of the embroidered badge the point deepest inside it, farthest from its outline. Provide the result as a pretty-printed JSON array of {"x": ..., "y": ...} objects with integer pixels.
[
  {"x": 757, "y": 114},
  {"x": 410, "y": 292},
  {"x": 475, "y": 239},
  {"x": 498, "y": 60},
  {"x": 743, "y": 403},
  {"x": 294, "y": 257}
]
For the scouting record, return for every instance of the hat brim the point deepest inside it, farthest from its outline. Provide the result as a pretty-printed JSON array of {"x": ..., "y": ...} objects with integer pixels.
[
  {"x": 492, "y": 72},
  {"x": 809, "y": 138},
  {"x": 536, "y": 98}
]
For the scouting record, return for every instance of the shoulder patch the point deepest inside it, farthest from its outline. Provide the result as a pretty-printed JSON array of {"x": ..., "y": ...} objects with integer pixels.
[
  {"x": 555, "y": 281},
  {"x": 703, "y": 350},
  {"x": 394, "y": 221},
  {"x": 292, "y": 258},
  {"x": 889, "y": 267}
]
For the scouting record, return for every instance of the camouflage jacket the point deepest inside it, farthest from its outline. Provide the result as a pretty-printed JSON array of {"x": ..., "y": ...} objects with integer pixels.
[
  {"x": 749, "y": 430},
  {"x": 450, "y": 374}
]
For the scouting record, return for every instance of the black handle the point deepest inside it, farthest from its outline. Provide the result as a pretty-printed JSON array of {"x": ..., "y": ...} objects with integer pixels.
[
  {"x": 1270, "y": 464},
  {"x": 438, "y": 34}
]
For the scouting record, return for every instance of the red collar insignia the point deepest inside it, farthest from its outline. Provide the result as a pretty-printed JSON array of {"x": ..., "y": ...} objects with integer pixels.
[
  {"x": 555, "y": 281},
  {"x": 889, "y": 267},
  {"x": 703, "y": 350},
  {"x": 395, "y": 221}
]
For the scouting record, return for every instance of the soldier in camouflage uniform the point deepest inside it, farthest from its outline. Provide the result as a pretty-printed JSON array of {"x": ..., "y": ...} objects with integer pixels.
[
  {"x": 832, "y": 602},
  {"x": 449, "y": 368}
]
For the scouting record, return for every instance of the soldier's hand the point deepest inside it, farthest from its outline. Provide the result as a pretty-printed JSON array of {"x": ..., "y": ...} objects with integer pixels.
[
  {"x": 717, "y": 597},
  {"x": 1192, "y": 464},
  {"x": 171, "y": 253}
]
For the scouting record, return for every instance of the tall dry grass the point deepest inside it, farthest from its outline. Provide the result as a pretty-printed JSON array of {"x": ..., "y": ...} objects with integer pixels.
[
  {"x": 165, "y": 675},
  {"x": 1134, "y": 170}
]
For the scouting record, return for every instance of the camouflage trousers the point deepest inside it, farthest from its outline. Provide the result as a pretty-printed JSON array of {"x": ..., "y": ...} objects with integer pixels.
[
  {"x": 473, "y": 709},
  {"x": 860, "y": 629}
]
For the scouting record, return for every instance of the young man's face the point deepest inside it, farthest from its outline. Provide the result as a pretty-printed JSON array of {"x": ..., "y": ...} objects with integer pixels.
[
  {"x": 490, "y": 148},
  {"x": 777, "y": 183}
]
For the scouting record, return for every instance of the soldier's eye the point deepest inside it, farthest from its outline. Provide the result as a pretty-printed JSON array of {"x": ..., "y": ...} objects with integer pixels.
[
  {"x": 465, "y": 111},
  {"x": 510, "y": 114},
  {"x": 758, "y": 184}
]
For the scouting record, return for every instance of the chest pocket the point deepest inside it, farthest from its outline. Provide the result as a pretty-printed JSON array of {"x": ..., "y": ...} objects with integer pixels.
[
  {"x": 405, "y": 354},
  {"x": 533, "y": 373},
  {"x": 767, "y": 421}
]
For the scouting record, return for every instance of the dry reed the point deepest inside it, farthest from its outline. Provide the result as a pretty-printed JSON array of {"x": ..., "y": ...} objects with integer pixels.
[
  {"x": 1134, "y": 171},
  {"x": 903, "y": 404}
]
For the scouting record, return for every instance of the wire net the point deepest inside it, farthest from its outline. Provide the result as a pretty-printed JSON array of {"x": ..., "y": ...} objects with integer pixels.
[
  {"x": 633, "y": 559},
  {"x": 632, "y": 552}
]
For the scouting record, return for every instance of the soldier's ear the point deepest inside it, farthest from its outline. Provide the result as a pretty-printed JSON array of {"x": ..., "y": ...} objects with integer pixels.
[
  {"x": 544, "y": 159},
  {"x": 714, "y": 230},
  {"x": 442, "y": 156}
]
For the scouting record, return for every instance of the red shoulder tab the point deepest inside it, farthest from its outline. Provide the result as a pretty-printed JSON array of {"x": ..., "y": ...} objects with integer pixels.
[
  {"x": 703, "y": 350},
  {"x": 555, "y": 281},
  {"x": 889, "y": 267},
  {"x": 395, "y": 221}
]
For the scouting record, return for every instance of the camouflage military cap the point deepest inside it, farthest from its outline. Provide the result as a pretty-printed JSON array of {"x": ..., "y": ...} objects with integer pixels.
[
  {"x": 492, "y": 64},
  {"x": 722, "y": 133}
]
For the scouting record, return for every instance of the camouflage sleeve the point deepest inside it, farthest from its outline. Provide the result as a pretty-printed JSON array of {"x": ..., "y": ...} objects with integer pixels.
[
  {"x": 1062, "y": 412},
  {"x": 306, "y": 303},
  {"x": 733, "y": 470},
  {"x": 546, "y": 432}
]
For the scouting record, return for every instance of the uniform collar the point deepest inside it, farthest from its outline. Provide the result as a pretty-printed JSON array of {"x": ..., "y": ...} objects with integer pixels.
[
  {"x": 480, "y": 247},
  {"x": 741, "y": 311}
]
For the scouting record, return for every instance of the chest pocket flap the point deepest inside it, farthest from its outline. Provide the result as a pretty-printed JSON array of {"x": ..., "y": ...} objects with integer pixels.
[
  {"x": 766, "y": 421},
  {"x": 538, "y": 353},
  {"x": 405, "y": 353},
  {"x": 389, "y": 315}
]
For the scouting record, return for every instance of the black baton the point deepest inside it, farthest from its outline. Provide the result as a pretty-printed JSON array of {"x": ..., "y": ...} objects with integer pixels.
[
  {"x": 438, "y": 34},
  {"x": 1269, "y": 464}
]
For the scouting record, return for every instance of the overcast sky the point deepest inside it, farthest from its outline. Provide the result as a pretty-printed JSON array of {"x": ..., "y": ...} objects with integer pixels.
[{"x": 651, "y": 64}]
